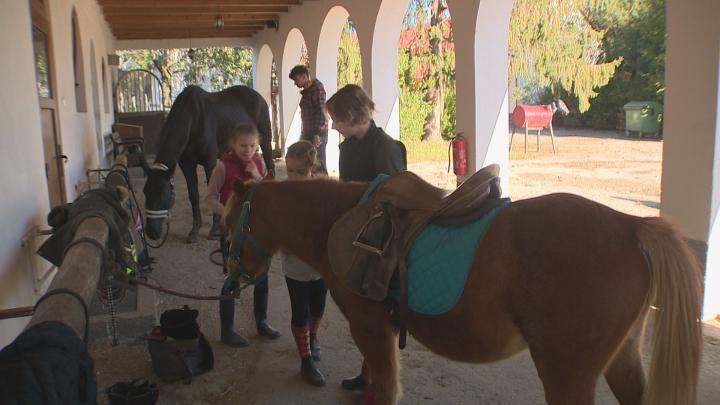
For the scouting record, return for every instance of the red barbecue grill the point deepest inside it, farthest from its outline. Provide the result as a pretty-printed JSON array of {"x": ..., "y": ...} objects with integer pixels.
[{"x": 536, "y": 118}]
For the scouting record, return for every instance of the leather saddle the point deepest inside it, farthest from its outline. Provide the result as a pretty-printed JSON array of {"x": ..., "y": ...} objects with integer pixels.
[{"x": 368, "y": 245}]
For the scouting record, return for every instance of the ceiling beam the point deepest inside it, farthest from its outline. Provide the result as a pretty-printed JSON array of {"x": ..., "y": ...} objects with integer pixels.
[
  {"x": 223, "y": 10},
  {"x": 180, "y": 35},
  {"x": 187, "y": 30},
  {"x": 197, "y": 3},
  {"x": 153, "y": 18}
]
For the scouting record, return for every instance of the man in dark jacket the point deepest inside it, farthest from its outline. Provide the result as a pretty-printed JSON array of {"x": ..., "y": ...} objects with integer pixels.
[
  {"x": 366, "y": 151},
  {"x": 312, "y": 111}
]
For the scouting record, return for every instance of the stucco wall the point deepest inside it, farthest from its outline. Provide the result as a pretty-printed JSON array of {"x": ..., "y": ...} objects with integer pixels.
[{"x": 25, "y": 203}]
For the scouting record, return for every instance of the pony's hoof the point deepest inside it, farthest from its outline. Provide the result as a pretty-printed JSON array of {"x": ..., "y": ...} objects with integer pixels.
[{"x": 192, "y": 238}]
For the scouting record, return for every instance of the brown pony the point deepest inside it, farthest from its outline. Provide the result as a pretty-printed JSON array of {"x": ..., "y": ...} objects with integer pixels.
[{"x": 568, "y": 278}]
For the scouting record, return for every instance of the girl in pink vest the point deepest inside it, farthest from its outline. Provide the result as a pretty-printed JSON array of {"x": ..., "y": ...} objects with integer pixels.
[{"x": 243, "y": 162}]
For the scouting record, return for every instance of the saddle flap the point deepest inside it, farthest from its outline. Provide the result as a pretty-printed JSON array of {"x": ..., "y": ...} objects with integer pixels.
[{"x": 359, "y": 251}]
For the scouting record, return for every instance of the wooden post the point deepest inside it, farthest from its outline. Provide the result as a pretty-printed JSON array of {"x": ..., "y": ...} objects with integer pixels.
[{"x": 80, "y": 272}]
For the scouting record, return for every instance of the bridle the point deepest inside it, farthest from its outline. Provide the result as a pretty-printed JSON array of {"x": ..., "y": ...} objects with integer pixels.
[
  {"x": 160, "y": 214},
  {"x": 240, "y": 235}
]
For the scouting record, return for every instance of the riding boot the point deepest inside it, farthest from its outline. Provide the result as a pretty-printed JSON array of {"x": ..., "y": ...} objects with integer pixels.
[
  {"x": 260, "y": 302},
  {"x": 227, "y": 320},
  {"x": 315, "y": 347},
  {"x": 314, "y": 342},
  {"x": 311, "y": 373},
  {"x": 355, "y": 383}
]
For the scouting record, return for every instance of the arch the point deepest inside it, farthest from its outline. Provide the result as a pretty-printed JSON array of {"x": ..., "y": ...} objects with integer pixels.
[
  {"x": 384, "y": 88},
  {"x": 427, "y": 78},
  {"x": 103, "y": 72},
  {"x": 327, "y": 56},
  {"x": 328, "y": 44},
  {"x": 264, "y": 86},
  {"x": 78, "y": 65},
  {"x": 263, "y": 71},
  {"x": 95, "y": 89},
  {"x": 292, "y": 54},
  {"x": 492, "y": 27}
]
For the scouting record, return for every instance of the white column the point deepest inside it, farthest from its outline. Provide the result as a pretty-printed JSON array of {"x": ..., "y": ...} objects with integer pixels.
[
  {"x": 262, "y": 71},
  {"x": 290, "y": 110},
  {"x": 384, "y": 86},
  {"x": 691, "y": 167},
  {"x": 327, "y": 52},
  {"x": 490, "y": 87}
]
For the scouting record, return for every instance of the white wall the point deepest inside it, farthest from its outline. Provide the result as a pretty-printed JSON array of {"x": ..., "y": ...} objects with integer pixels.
[
  {"x": 25, "y": 205},
  {"x": 21, "y": 163},
  {"x": 78, "y": 129},
  {"x": 691, "y": 172}
]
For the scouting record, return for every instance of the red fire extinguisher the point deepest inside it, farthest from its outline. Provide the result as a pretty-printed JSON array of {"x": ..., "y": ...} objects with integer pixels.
[{"x": 459, "y": 155}]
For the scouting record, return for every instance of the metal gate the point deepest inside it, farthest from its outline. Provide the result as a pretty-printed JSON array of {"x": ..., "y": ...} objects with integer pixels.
[
  {"x": 139, "y": 90},
  {"x": 139, "y": 100}
]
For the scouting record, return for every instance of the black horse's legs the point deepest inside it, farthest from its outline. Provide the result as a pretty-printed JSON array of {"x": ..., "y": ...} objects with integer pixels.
[
  {"x": 190, "y": 172},
  {"x": 214, "y": 232}
]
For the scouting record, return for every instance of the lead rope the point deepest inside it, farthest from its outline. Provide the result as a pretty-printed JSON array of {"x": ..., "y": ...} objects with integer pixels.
[{"x": 111, "y": 323}]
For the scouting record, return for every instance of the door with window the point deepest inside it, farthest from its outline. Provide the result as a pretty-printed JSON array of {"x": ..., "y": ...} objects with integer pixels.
[{"x": 44, "y": 73}]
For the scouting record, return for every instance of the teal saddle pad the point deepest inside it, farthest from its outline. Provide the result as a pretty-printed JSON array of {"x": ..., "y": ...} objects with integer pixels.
[{"x": 439, "y": 263}]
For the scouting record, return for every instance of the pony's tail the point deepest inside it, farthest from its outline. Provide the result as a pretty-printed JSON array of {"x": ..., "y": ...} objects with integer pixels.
[{"x": 676, "y": 291}]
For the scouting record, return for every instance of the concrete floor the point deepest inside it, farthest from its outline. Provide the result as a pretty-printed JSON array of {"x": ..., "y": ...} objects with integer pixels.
[{"x": 267, "y": 372}]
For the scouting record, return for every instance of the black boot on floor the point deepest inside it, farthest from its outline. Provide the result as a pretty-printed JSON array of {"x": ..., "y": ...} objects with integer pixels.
[
  {"x": 355, "y": 383},
  {"x": 310, "y": 372},
  {"x": 227, "y": 320},
  {"x": 264, "y": 329},
  {"x": 315, "y": 347},
  {"x": 260, "y": 302}
]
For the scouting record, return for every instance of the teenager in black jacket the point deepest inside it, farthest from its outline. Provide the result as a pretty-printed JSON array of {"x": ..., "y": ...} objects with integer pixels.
[{"x": 366, "y": 151}]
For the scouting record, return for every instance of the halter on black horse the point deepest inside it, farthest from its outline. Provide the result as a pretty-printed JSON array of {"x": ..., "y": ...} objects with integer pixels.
[{"x": 160, "y": 197}]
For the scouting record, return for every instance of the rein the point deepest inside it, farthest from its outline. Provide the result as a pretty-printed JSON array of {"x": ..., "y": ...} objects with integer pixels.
[{"x": 240, "y": 235}]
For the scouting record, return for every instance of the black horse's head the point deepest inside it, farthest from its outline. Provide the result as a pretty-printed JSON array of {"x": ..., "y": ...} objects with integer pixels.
[{"x": 159, "y": 198}]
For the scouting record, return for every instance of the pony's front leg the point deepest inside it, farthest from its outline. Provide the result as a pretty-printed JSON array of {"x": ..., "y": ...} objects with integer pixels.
[
  {"x": 190, "y": 173},
  {"x": 376, "y": 338}
]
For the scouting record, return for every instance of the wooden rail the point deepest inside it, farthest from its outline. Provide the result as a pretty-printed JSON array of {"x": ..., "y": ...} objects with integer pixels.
[{"x": 79, "y": 272}]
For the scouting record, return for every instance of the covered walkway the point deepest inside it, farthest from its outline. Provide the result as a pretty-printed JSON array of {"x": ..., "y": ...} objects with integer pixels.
[{"x": 57, "y": 80}]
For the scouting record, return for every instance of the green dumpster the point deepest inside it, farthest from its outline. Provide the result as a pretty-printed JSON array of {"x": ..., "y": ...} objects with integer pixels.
[{"x": 643, "y": 117}]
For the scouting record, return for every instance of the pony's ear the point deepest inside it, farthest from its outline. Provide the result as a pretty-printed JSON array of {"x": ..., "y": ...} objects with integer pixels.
[
  {"x": 123, "y": 194},
  {"x": 239, "y": 188}
]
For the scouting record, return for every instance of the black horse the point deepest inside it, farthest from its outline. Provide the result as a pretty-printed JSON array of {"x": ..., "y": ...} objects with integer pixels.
[{"x": 195, "y": 133}]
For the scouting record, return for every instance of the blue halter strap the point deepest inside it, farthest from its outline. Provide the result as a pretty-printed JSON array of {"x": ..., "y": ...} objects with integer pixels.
[{"x": 240, "y": 235}]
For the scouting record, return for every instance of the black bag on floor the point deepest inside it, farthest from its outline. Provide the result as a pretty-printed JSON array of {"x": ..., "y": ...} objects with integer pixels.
[
  {"x": 178, "y": 348},
  {"x": 135, "y": 392}
]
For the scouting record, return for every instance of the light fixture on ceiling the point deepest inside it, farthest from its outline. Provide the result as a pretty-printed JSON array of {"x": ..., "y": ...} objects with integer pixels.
[
  {"x": 190, "y": 52},
  {"x": 219, "y": 22}
]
